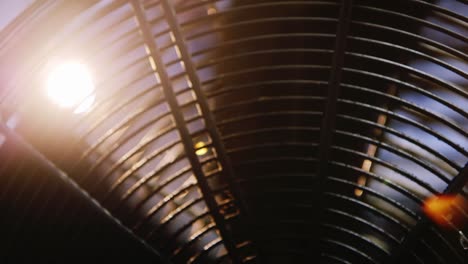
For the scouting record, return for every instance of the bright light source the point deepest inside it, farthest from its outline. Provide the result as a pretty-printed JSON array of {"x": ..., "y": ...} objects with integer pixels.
[
  {"x": 200, "y": 148},
  {"x": 70, "y": 86}
]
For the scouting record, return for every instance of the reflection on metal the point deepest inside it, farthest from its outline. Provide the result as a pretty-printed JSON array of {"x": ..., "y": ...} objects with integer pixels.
[
  {"x": 2, "y": 139},
  {"x": 223, "y": 111},
  {"x": 463, "y": 240},
  {"x": 200, "y": 148}
]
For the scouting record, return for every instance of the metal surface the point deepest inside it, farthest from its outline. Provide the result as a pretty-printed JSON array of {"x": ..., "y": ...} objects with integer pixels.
[{"x": 249, "y": 131}]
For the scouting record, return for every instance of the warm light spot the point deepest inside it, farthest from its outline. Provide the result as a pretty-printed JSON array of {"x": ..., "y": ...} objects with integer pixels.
[
  {"x": 200, "y": 148},
  {"x": 362, "y": 180},
  {"x": 211, "y": 11},
  {"x": 442, "y": 210},
  {"x": 371, "y": 150},
  {"x": 366, "y": 165},
  {"x": 70, "y": 86},
  {"x": 358, "y": 192},
  {"x": 382, "y": 119}
]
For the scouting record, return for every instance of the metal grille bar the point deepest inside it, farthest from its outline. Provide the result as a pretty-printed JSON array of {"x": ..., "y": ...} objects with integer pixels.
[{"x": 184, "y": 133}]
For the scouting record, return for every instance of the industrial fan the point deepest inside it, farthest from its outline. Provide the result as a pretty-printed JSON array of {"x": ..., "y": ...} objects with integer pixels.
[{"x": 235, "y": 131}]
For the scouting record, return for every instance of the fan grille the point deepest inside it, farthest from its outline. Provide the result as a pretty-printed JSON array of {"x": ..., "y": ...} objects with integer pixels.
[{"x": 256, "y": 131}]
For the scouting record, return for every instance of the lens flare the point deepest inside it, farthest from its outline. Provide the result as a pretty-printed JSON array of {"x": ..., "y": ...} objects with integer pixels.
[{"x": 70, "y": 85}]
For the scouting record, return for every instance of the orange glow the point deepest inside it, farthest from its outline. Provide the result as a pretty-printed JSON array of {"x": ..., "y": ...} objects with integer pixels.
[
  {"x": 442, "y": 210},
  {"x": 362, "y": 180},
  {"x": 382, "y": 119},
  {"x": 211, "y": 11},
  {"x": 366, "y": 165}
]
